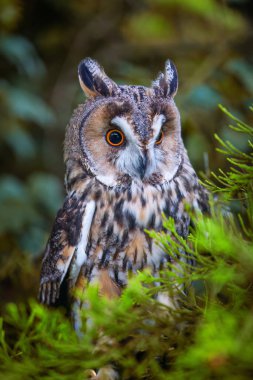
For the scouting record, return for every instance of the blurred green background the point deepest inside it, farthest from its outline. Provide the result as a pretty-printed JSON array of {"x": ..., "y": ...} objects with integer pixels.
[{"x": 41, "y": 44}]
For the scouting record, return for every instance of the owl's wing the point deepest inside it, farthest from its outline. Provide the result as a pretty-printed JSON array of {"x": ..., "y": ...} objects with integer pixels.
[{"x": 71, "y": 228}]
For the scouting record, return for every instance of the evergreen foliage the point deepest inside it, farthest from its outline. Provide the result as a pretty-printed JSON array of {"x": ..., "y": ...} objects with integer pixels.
[{"x": 208, "y": 335}]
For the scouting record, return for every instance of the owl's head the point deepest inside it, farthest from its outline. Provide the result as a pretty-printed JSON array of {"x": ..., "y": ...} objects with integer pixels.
[{"x": 126, "y": 133}]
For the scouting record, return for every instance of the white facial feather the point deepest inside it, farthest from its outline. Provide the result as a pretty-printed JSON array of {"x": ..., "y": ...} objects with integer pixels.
[
  {"x": 156, "y": 127},
  {"x": 123, "y": 124},
  {"x": 154, "y": 155},
  {"x": 107, "y": 180},
  {"x": 130, "y": 156},
  {"x": 128, "y": 160}
]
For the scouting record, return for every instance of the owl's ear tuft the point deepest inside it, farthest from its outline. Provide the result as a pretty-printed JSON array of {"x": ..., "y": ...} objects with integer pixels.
[
  {"x": 168, "y": 81},
  {"x": 93, "y": 80}
]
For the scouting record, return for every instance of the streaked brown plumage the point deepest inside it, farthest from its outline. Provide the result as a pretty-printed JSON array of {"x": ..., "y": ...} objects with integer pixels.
[{"x": 114, "y": 193}]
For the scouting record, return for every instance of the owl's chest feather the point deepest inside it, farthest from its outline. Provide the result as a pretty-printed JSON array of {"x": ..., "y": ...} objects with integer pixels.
[
  {"x": 137, "y": 208},
  {"x": 140, "y": 207},
  {"x": 117, "y": 234},
  {"x": 117, "y": 243}
]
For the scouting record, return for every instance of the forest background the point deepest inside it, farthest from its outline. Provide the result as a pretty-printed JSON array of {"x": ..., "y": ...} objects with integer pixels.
[{"x": 41, "y": 44}]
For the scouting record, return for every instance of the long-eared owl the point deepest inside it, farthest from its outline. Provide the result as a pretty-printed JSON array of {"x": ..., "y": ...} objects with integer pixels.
[{"x": 126, "y": 165}]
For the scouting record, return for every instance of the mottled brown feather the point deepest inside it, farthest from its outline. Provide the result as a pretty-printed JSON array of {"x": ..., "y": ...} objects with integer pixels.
[{"x": 125, "y": 203}]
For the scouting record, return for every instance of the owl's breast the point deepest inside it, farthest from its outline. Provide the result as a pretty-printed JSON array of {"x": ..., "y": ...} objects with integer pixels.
[
  {"x": 143, "y": 207},
  {"x": 136, "y": 208},
  {"x": 118, "y": 243},
  {"x": 120, "y": 221}
]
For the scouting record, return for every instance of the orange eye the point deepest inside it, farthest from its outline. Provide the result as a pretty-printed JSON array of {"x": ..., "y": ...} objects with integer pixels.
[
  {"x": 115, "y": 137},
  {"x": 159, "y": 138}
]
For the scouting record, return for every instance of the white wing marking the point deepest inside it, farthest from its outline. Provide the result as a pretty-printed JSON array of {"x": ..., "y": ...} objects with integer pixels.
[{"x": 81, "y": 247}]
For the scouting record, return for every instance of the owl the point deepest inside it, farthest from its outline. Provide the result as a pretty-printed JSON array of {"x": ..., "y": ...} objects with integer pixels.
[{"x": 126, "y": 166}]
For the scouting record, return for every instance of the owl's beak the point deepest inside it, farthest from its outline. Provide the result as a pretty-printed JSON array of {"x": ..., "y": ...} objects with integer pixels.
[{"x": 143, "y": 166}]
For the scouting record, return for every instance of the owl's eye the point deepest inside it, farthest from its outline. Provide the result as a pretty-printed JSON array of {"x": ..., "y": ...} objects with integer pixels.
[
  {"x": 159, "y": 138},
  {"x": 115, "y": 137}
]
